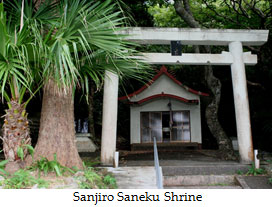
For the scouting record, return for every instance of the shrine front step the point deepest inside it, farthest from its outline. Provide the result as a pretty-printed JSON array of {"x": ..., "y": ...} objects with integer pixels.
[
  {"x": 211, "y": 168},
  {"x": 210, "y": 175},
  {"x": 200, "y": 180},
  {"x": 166, "y": 146}
]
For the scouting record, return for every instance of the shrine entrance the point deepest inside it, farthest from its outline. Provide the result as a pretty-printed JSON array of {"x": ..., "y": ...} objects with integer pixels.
[
  {"x": 235, "y": 58},
  {"x": 158, "y": 124}
]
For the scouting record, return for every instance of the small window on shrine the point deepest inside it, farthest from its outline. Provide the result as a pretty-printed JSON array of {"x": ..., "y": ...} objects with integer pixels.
[{"x": 165, "y": 126}]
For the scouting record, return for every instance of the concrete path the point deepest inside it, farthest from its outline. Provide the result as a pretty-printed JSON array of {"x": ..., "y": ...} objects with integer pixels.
[{"x": 134, "y": 177}]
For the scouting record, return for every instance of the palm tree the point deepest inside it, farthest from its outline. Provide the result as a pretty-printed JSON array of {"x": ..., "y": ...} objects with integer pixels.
[
  {"x": 17, "y": 53},
  {"x": 80, "y": 40}
]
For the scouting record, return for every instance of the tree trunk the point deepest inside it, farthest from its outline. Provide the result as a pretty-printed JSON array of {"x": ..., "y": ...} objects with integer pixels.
[
  {"x": 15, "y": 131},
  {"x": 211, "y": 115},
  {"x": 57, "y": 131},
  {"x": 182, "y": 8},
  {"x": 91, "y": 110}
]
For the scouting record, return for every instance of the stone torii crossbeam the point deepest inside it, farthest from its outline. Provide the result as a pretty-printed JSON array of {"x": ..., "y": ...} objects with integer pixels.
[{"x": 236, "y": 58}]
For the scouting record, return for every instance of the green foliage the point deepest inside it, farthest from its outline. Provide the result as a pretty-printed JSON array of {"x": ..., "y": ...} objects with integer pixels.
[
  {"x": 239, "y": 172},
  {"x": 91, "y": 162},
  {"x": 16, "y": 78},
  {"x": 109, "y": 180},
  {"x": 22, "y": 179},
  {"x": 165, "y": 16},
  {"x": 81, "y": 41},
  {"x": 2, "y": 167},
  {"x": 93, "y": 179},
  {"x": 20, "y": 151},
  {"x": 269, "y": 170},
  {"x": 269, "y": 161},
  {"x": 254, "y": 171},
  {"x": 90, "y": 178},
  {"x": 239, "y": 14},
  {"x": 45, "y": 166},
  {"x": 76, "y": 41},
  {"x": 30, "y": 149}
]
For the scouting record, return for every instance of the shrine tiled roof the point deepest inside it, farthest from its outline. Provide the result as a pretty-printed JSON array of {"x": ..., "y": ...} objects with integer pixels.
[{"x": 163, "y": 71}]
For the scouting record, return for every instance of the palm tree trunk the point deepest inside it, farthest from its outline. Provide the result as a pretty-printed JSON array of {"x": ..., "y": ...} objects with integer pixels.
[
  {"x": 16, "y": 131},
  {"x": 57, "y": 131}
]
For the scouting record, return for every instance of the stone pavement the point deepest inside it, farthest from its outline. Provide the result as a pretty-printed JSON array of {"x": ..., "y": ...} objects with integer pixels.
[
  {"x": 141, "y": 177},
  {"x": 257, "y": 182},
  {"x": 179, "y": 174}
]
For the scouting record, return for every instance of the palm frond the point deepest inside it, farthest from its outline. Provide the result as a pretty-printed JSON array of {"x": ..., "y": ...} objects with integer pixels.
[
  {"x": 72, "y": 42},
  {"x": 87, "y": 33},
  {"x": 16, "y": 49}
]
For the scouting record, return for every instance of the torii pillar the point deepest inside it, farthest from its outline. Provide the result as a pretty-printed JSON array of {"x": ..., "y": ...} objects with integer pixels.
[
  {"x": 109, "y": 118},
  {"x": 241, "y": 104}
]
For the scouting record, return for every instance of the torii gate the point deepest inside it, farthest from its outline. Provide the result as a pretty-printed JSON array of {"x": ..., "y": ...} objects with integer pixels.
[{"x": 236, "y": 58}]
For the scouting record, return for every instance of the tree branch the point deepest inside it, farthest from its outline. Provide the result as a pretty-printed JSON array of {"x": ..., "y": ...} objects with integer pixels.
[
  {"x": 243, "y": 10},
  {"x": 221, "y": 15},
  {"x": 187, "y": 7},
  {"x": 255, "y": 9},
  {"x": 185, "y": 15}
]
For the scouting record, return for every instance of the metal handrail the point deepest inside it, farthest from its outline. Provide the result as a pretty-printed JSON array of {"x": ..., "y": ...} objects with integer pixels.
[{"x": 158, "y": 169}]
